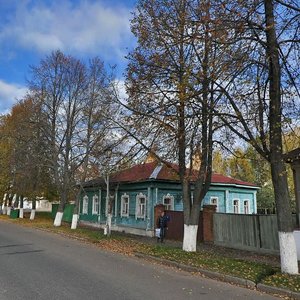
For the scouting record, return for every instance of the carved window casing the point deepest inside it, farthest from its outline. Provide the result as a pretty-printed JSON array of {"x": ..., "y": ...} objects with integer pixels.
[
  {"x": 95, "y": 205},
  {"x": 141, "y": 205},
  {"x": 125, "y": 205},
  {"x": 168, "y": 202},
  {"x": 236, "y": 206},
  {"x": 85, "y": 205}
]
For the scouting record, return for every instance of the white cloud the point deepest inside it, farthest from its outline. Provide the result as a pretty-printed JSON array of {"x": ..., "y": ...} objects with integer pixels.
[
  {"x": 121, "y": 90},
  {"x": 88, "y": 27},
  {"x": 9, "y": 94}
]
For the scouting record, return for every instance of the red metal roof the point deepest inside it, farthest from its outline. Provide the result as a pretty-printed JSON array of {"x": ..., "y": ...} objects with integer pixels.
[
  {"x": 136, "y": 173},
  {"x": 219, "y": 178},
  {"x": 154, "y": 170}
]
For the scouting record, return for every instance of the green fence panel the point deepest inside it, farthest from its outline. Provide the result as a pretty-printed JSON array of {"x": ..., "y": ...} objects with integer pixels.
[
  {"x": 54, "y": 210},
  {"x": 68, "y": 212}
]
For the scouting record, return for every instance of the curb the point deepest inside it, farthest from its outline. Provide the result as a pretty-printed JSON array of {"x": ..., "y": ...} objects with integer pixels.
[
  {"x": 206, "y": 273},
  {"x": 279, "y": 291},
  {"x": 225, "y": 278}
]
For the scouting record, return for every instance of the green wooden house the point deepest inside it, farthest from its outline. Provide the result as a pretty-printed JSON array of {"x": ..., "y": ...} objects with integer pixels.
[{"x": 134, "y": 193}]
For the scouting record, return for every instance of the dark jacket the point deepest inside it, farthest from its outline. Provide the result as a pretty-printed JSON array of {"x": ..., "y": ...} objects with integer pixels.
[{"x": 162, "y": 221}]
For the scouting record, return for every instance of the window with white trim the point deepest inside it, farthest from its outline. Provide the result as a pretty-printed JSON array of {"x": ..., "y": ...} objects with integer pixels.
[
  {"x": 85, "y": 204},
  {"x": 236, "y": 206},
  {"x": 215, "y": 201},
  {"x": 125, "y": 205},
  {"x": 95, "y": 205},
  {"x": 168, "y": 202},
  {"x": 140, "y": 212},
  {"x": 246, "y": 207}
]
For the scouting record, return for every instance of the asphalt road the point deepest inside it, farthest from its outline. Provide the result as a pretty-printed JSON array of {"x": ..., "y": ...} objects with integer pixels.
[{"x": 41, "y": 265}]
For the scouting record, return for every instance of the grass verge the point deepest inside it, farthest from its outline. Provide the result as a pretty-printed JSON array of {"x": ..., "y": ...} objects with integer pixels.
[
  {"x": 285, "y": 281},
  {"x": 203, "y": 260}
]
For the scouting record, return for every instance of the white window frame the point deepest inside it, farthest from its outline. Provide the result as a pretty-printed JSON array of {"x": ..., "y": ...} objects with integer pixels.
[
  {"x": 125, "y": 204},
  {"x": 246, "y": 207},
  {"x": 95, "y": 209},
  {"x": 236, "y": 208},
  {"x": 85, "y": 205},
  {"x": 212, "y": 198},
  {"x": 141, "y": 208},
  {"x": 171, "y": 205}
]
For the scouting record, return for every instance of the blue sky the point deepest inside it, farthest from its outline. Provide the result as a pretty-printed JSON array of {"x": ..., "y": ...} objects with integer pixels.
[{"x": 31, "y": 29}]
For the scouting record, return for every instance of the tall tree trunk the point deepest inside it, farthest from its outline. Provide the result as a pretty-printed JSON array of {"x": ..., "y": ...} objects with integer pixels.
[
  {"x": 107, "y": 229},
  {"x": 21, "y": 214},
  {"x": 1, "y": 204},
  {"x": 33, "y": 209},
  {"x": 192, "y": 211},
  {"x": 9, "y": 204},
  {"x": 5, "y": 203},
  {"x": 66, "y": 180},
  {"x": 16, "y": 202},
  {"x": 61, "y": 207},
  {"x": 75, "y": 216},
  {"x": 190, "y": 225},
  {"x": 288, "y": 253}
]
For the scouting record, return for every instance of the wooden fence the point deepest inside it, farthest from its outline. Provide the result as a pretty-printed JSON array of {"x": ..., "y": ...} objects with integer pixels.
[{"x": 247, "y": 232}]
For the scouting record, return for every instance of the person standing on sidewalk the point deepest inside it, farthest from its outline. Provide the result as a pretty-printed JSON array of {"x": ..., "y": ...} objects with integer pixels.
[{"x": 162, "y": 224}]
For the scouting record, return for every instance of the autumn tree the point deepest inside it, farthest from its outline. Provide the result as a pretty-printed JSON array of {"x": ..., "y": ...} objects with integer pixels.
[
  {"x": 219, "y": 162},
  {"x": 96, "y": 136},
  {"x": 5, "y": 168},
  {"x": 260, "y": 97},
  {"x": 58, "y": 84},
  {"x": 172, "y": 95},
  {"x": 28, "y": 174},
  {"x": 247, "y": 165},
  {"x": 74, "y": 98}
]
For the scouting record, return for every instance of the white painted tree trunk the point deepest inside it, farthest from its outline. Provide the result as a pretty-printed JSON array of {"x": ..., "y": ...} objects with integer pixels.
[
  {"x": 109, "y": 217},
  {"x": 58, "y": 219},
  {"x": 14, "y": 200},
  {"x": 21, "y": 213},
  {"x": 32, "y": 214},
  {"x": 107, "y": 229},
  {"x": 5, "y": 210},
  {"x": 74, "y": 224},
  {"x": 8, "y": 210},
  {"x": 288, "y": 253},
  {"x": 190, "y": 238}
]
